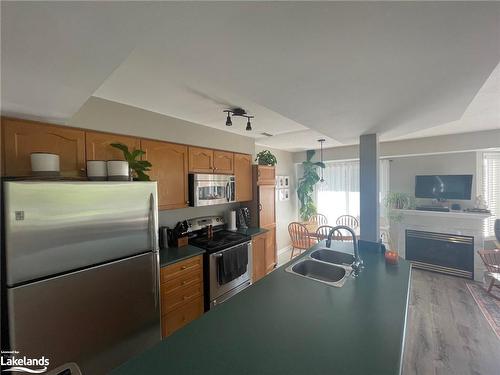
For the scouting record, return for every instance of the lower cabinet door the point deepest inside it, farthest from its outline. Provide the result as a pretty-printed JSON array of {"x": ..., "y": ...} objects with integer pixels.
[
  {"x": 179, "y": 318},
  {"x": 259, "y": 257},
  {"x": 270, "y": 257}
]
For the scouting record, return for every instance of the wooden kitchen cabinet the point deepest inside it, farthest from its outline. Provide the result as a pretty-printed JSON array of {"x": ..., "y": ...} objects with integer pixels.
[
  {"x": 223, "y": 162},
  {"x": 98, "y": 145},
  {"x": 201, "y": 160},
  {"x": 243, "y": 177},
  {"x": 23, "y": 137},
  {"x": 259, "y": 244},
  {"x": 265, "y": 175},
  {"x": 170, "y": 169},
  {"x": 181, "y": 289},
  {"x": 270, "y": 253},
  {"x": 266, "y": 206},
  {"x": 263, "y": 215}
]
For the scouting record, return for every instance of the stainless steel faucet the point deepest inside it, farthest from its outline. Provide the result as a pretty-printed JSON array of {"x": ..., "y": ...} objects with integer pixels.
[{"x": 358, "y": 263}]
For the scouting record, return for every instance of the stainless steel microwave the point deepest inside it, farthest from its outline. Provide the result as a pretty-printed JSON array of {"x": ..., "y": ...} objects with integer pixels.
[{"x": 210, "y": 189}]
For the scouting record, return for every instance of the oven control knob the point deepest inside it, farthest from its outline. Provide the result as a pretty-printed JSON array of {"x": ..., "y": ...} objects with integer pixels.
[{"x": 217, "y": 219}]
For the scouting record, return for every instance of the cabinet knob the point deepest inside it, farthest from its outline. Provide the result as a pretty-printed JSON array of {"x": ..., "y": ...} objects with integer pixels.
[
  {"x": 260, "y": 207},
  {"x": 183, "y": 267}
]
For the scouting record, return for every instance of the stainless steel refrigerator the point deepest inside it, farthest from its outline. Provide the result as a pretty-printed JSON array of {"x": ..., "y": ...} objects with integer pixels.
[{"x": 82, "y": 271}]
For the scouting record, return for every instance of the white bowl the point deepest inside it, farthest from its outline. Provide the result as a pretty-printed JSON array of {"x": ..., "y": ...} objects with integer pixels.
[
  {"x": 97, "y": 170},
  {"x": 118, "y": 170},
  {"x": 44, "y": 163}
]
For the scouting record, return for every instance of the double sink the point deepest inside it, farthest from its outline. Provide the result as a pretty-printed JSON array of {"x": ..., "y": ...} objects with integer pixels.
[{"x": 324, "y": 265}]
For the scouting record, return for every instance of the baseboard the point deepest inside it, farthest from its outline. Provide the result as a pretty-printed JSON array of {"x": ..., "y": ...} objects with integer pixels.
[{"x": 284, "y": 250}]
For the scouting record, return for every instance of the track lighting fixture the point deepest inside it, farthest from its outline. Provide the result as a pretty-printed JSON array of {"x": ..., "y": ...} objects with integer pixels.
[
  {"x": 228, "y": 120},
  {"x": 238, "y": 112}
]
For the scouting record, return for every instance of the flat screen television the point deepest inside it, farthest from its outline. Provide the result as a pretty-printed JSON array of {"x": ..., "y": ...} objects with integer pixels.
[{"x": 444, "y": 186}]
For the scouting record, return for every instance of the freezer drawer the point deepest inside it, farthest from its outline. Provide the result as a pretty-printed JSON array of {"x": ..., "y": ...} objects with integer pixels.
[
  {"x": 55, "y": 227},
  {"x": 97, "y": 318}
]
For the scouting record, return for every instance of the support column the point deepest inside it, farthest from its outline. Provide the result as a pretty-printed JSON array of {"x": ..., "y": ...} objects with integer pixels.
[{"x": 369, "y": 188}]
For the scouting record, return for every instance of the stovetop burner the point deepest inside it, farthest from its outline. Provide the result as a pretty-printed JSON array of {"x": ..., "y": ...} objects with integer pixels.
[{"x": 221, "y": 240}]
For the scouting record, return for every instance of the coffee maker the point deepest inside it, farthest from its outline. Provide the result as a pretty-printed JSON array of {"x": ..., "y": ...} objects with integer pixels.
[{"x": 243, "y": 217}]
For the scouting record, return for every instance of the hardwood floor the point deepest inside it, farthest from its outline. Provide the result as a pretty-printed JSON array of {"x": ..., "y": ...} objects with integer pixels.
[{"x": 446, "y": 332}]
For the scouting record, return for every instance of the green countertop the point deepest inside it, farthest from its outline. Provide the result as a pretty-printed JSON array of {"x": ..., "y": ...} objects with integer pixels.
[
  {"x": 176, "y": 254},
  {"x": 286, "y": 324}
]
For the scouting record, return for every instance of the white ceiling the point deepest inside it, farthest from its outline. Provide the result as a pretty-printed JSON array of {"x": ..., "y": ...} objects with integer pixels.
[{"x": 305, "y": 70}]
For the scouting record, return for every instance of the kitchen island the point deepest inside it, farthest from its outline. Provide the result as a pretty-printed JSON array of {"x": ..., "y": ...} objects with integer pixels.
[{"x": 286, "y": 324}]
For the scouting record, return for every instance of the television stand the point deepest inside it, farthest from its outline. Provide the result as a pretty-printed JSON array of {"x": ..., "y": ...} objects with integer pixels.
[{"x": 433, "y": 208}]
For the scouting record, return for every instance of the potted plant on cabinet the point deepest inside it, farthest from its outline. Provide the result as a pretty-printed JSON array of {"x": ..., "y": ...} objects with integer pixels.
[
  {"x": 265, "y": 157},
  {"x": 137, "y": 167}
]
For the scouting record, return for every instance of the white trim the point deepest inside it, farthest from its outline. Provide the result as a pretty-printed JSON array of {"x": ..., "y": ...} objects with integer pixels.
[{"x": 284, "y": 250}]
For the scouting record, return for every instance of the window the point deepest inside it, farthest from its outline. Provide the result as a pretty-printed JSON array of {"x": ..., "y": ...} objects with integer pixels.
[
  {"x": 339, "y": 193},
  {"x": 491, "y": 189}
]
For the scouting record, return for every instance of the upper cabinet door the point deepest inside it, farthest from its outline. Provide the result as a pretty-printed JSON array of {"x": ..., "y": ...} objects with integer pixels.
[
  {"x": 170, "y": 169},
  {"x": 201, "y": 160},
  {"x": 98, "y": 145},
  {"x": 223, "y": 162},
  {"x": 21, "y": 138},
  {"x": 266, "y": 175},
  {"x": 243, "y": 177}
]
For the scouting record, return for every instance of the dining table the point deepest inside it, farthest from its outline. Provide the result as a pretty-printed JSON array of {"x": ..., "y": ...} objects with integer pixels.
[{"x": 313, "y": 227}]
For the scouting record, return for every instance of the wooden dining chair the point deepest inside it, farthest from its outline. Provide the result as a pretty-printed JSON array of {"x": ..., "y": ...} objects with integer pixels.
[
  {"x": 323, "y": 231},
  {"x": 299, "y": 236},
  {"x": 348, "y": 220},
  {"x": 318, "y": 219},
  {"x": 491, "y": 260}
]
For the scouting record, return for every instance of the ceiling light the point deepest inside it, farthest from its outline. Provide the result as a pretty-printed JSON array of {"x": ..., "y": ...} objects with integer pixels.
[{"x": 238, "y": 112}]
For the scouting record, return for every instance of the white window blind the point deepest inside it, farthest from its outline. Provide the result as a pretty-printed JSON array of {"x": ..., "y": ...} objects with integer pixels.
[
  {"x": 491, "y": 189},
  {"x": 339, "y": 193}
]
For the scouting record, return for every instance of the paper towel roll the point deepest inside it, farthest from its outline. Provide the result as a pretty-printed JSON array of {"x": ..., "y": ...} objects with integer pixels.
[{"x": 231, "y": 222}]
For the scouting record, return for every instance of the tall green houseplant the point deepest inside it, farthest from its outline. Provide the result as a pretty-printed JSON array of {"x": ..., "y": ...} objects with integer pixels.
[{"x": 306, "y": 184}]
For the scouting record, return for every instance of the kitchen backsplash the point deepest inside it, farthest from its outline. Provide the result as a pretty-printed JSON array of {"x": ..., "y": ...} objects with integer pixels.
[{"x": 171, "y": 217}]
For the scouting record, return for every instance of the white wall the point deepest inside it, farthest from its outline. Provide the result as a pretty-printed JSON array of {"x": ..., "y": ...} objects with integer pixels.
[
  {"x": 419, "y": 146},
  {"x": 286, "y": 211},
  {"x": 404, "y": 169},
  {"x": 108, "y": 116}
]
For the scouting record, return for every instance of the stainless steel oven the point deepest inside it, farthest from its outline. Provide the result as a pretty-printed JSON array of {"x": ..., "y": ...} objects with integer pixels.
[
  {"x": 210, "y": 189},
  {"x": 220, "y": 293}
]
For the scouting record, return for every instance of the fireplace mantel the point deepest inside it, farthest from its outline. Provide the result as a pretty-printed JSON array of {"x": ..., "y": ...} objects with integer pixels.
[
  {"x": 461, "y": 223},
  {"x": 447, "y": 215}
]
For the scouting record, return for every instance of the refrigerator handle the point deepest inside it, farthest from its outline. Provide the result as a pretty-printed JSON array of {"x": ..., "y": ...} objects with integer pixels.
[
  {"x": 153, "y": 227},
  {"x": 153, "y": 233}
]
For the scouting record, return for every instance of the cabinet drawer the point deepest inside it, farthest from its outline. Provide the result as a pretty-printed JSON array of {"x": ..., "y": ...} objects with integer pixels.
[
  {"x": 182, "y": 316},
  {"x": 181, "y": 268},
  {"x": 183, "y": 281},
  {"x": 172, "y": 301}
]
